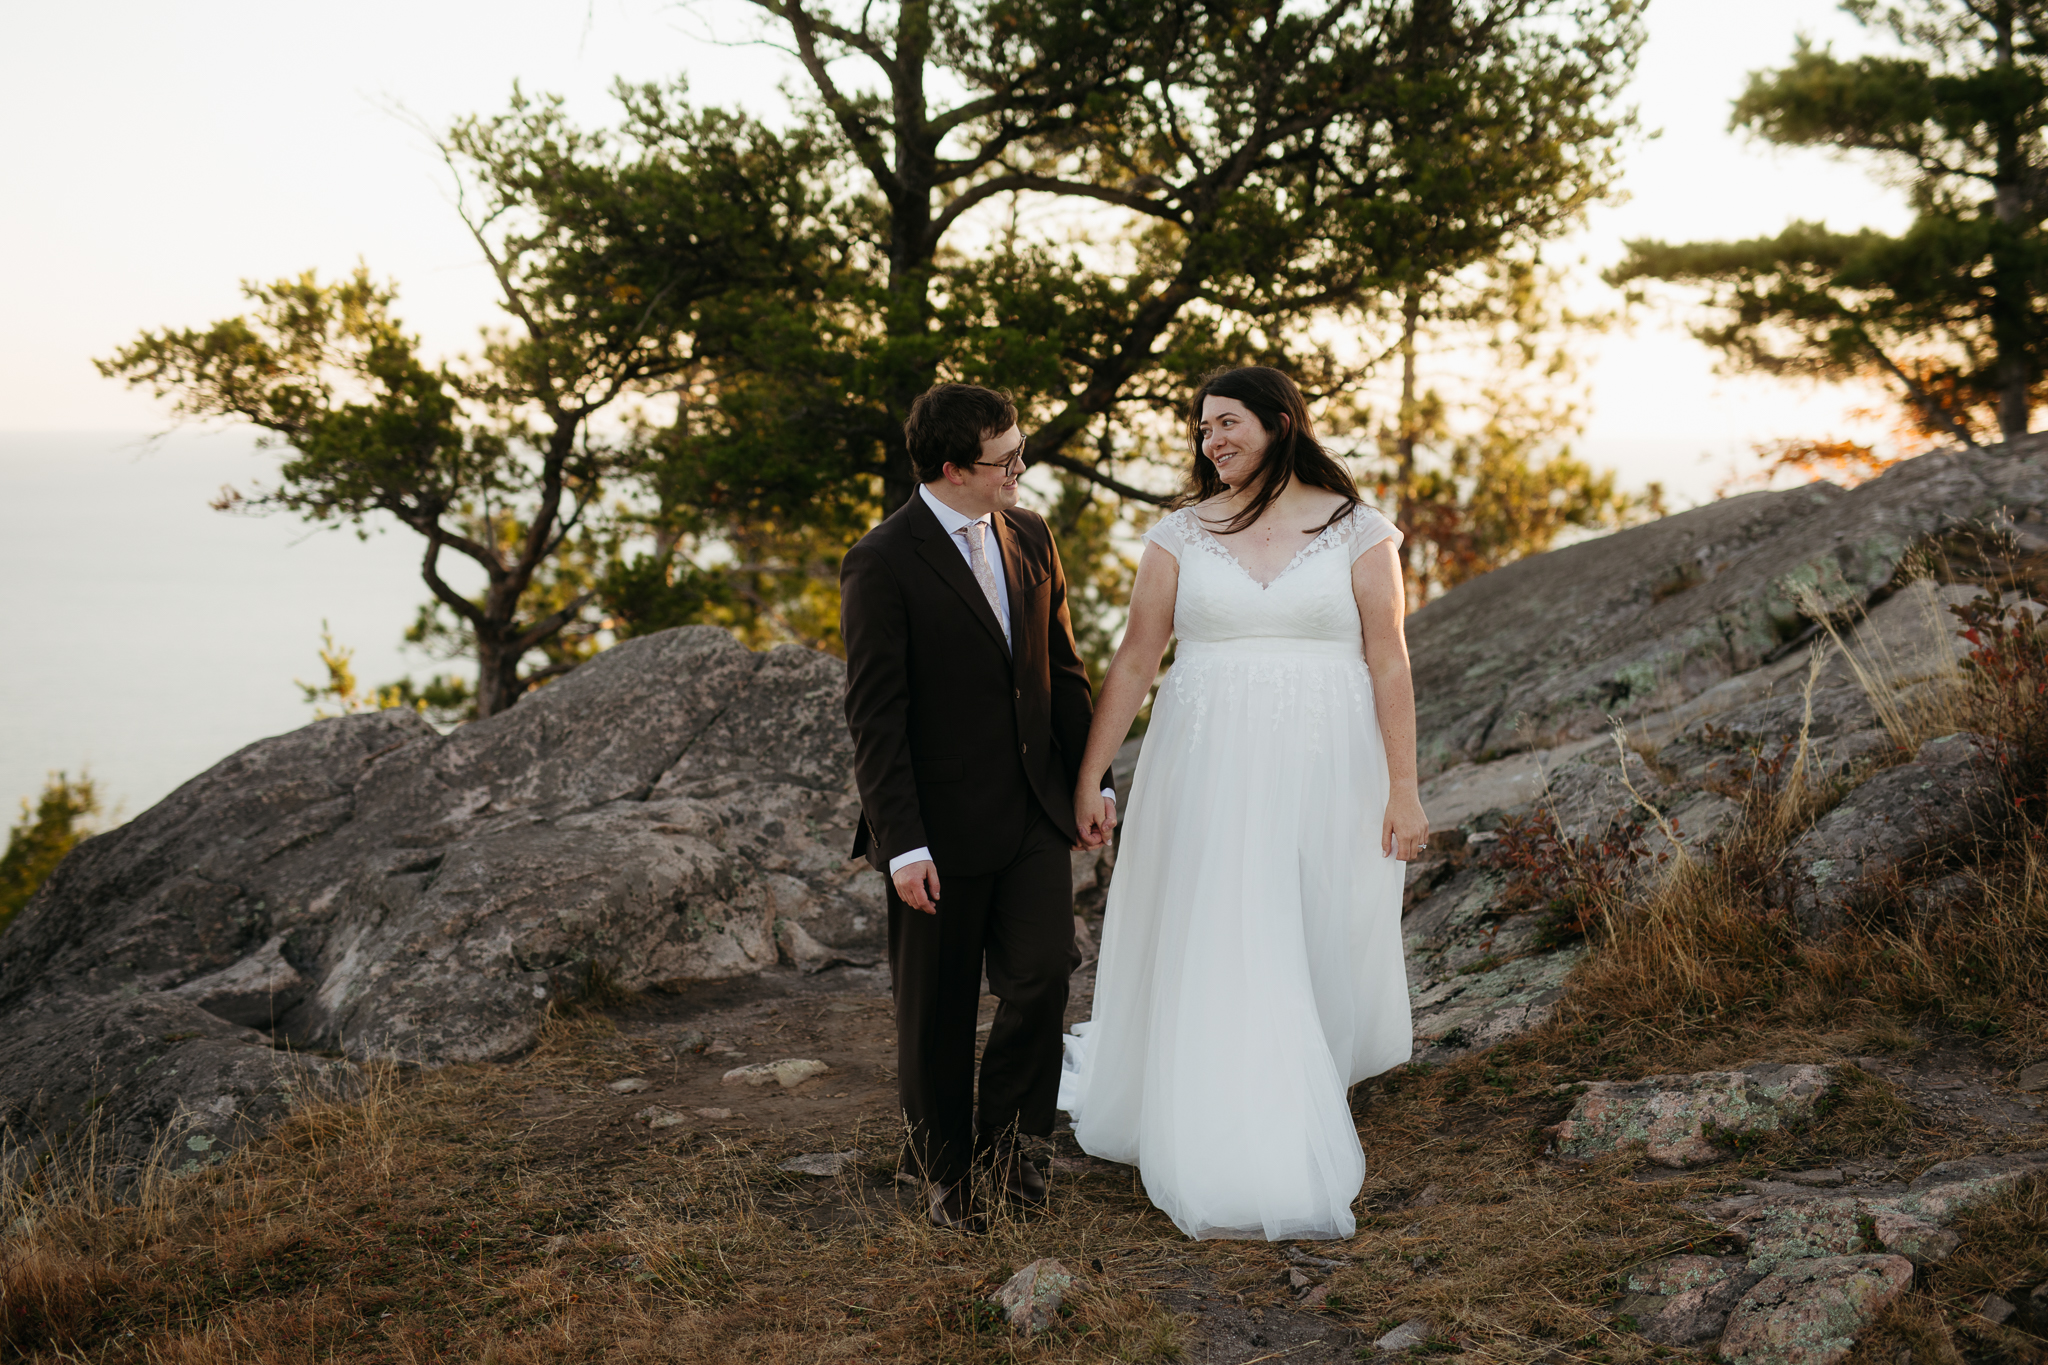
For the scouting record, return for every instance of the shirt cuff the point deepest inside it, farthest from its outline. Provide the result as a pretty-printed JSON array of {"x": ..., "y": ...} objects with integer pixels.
[
  {"x": 1109, "y": 793},
  {"x": 903, "y": 860}
]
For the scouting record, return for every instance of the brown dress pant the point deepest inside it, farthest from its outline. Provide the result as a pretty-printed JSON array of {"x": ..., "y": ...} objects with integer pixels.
[{"x": 1019, "y": 921}]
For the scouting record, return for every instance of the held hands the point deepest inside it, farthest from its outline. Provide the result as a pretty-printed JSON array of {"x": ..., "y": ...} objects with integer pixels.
[
  {"x": 1094, "y": 815},
  {"x": 918, "y": 885},
  {"x": 1405, "y": 832}
]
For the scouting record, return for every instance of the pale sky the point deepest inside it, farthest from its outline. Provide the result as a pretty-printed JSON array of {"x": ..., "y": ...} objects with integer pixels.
[{"x": 161, "y": 153}]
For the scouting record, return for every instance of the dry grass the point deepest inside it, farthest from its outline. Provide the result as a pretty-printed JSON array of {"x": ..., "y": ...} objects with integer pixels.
[{"x": 416, "y": 1223}]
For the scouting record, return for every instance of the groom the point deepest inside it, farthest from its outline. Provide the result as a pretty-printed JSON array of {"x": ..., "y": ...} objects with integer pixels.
[{"x": 969, "y": 709}]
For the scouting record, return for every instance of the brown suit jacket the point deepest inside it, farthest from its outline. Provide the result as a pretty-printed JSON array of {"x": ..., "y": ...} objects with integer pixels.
[{"x": 956, "y": 738}]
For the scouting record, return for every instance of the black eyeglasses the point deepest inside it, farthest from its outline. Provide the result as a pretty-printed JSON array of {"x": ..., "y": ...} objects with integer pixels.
[{"x": 1015, "y": 462}]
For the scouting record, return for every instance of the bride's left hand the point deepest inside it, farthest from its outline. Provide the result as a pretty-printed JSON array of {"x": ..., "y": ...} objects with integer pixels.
[{"x": 1405, "y": 832}]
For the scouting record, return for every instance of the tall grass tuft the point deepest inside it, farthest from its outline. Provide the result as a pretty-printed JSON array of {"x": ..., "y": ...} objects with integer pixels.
[{"x": 1709, "y": 962}]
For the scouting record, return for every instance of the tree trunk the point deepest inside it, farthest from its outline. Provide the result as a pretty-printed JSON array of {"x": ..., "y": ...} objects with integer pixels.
[
  {"x": 1405, "y": 441},
  {"x": 497, "y": 674},
  {"x": 2011, "y": 292},
  {"x": 911, "y": 249}
]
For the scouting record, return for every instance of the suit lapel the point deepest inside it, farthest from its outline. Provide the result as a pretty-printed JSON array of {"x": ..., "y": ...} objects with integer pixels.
[
  {"x": 1013, "y": 570},
  {"x": 938, "y": 549}
]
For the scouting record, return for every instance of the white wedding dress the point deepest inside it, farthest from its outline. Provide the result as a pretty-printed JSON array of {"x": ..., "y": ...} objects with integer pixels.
[{"x": 1251, "y": 966}]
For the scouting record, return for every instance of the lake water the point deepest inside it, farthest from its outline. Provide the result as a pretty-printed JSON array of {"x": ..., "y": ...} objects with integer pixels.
[{"x": 154, "y": 636}]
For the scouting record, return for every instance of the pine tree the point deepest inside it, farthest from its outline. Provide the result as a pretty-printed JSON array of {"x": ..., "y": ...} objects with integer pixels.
[
  {"x": 40, "y": 839},
  {"x": 1949, "y": 314}
]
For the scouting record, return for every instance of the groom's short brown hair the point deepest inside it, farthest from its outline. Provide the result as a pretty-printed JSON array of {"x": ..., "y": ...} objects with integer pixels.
[{"x": 948, "y": 423}]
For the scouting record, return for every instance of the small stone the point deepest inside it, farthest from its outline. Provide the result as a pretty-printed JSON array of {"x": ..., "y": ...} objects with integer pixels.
[
  {"x": 821, "y": 1163},
  {"x": 1032, "y": 1297},
  {"x": 789, "y": 1072},
  {"x": 1810, "y": 1312},
  {"x": 1419, "y": 1264},
  {"x": 1298, "y": 1281},
  {"x": 658, "y": 1117},
  {"x": 1996, "y": 1309},
  {"x": 1431, "y": 1194},
  {"x": 2034, "y": 1077},
  {"x": 1316, "y": 1297},
  {"x": 1826, "y": 1178},
  {"x": 692, "y": 1040},
  {"x": 1413, "y": 1332},
  {"x": 712, "y": 1113},
  {"x": 630, "y": 1085}
]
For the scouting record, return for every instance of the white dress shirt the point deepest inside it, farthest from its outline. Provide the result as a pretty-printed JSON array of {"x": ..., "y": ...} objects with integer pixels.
[{"x": 954, "y": 522}]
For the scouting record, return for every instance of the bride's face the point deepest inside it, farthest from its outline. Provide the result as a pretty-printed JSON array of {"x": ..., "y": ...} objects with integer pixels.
[{"x": 1232, "y": 439}]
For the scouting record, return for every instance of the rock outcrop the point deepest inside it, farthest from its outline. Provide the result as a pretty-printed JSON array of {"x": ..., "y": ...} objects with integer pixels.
[
  {"x": 1690, "y": 634},
  {"x": 1818, "y": 1265},
  {"x": 678, "y": 809},
  {"x": 1679, "y": 1120},
  {"x": 1935, "y": 798}
]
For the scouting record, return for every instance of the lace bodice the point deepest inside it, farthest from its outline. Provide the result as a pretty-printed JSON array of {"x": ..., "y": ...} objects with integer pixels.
[{"x": 1310, "y": 599}]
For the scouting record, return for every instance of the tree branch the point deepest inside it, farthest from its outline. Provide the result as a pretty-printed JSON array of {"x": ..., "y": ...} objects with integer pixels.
[
  {"x": 806, "y": 28},
  {"x": 1049, "y": 184},
  {"x": 1933, "y": 408},
  {"x": 552, "y": 622},
  {"x": 430, "y": 570},
  {"x": 1096, "y": 476}
]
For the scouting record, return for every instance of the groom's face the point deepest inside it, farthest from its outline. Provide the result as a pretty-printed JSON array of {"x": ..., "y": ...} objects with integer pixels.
[{"x": 991, "y": 484}]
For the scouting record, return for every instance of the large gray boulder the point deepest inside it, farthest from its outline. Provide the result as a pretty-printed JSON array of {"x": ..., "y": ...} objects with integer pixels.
[
  {"x": 1937, "y": 798},
  {"x": 1544, "y": 651},
  {"x": 366, "y": 886}
]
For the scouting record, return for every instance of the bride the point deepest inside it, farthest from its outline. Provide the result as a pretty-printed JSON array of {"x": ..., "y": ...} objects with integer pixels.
[{"x": 1251, "y": 967}]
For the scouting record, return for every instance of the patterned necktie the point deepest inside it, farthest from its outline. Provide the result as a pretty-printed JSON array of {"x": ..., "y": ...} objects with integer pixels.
[{"x": 977, "y": 559}]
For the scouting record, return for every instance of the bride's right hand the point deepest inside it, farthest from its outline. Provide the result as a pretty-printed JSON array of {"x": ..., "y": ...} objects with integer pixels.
[{"x": 1090, "y": 813}]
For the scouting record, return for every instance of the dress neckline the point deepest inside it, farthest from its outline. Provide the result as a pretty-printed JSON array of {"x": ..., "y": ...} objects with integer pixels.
[{"x": 1216, "y": 545}]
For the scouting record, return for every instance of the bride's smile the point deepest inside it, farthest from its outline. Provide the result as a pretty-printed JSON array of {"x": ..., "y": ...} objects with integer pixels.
[{"x": 1232, "y": 439}]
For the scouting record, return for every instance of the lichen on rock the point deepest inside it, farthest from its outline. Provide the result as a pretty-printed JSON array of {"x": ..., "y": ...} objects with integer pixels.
[{"x": 1811, "y": 1311}]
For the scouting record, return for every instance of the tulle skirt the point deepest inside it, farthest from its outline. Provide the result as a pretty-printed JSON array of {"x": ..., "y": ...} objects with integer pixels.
[{"x": 1251, "y": 966}]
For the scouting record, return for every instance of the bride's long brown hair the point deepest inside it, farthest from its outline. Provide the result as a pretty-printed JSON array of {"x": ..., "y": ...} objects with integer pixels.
[{"x": 1292, "y": 451}]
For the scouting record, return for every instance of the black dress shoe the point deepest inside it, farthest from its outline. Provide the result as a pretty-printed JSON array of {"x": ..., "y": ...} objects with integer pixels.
[
  {"x": 1020, "y": 1181},
  {"x": 952, "y": 1207}
]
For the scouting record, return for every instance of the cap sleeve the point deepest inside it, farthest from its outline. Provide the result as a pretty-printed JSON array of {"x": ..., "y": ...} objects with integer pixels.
[
  {"x": 1170, "y": 533},
  {"x": 1368, "y": 528}
]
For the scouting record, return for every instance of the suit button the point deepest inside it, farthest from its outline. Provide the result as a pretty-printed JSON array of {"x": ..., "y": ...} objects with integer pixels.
[
  {"x": 1026, "y": 748},
  {"x": 1020, "y": 694}
]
